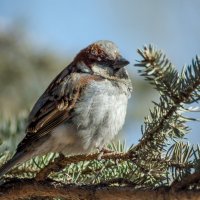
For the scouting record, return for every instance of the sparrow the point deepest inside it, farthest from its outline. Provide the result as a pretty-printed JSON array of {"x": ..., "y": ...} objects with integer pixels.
[{"x": 82, "y": 109}]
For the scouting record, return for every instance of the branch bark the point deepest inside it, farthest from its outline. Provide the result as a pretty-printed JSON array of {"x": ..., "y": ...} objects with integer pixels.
[
  {"x": 22, "y": 189},
  {"x": 186, "y": 181}
]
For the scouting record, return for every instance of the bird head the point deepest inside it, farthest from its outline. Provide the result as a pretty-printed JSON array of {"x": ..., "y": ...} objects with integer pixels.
[{"x": 101, "y": 58}]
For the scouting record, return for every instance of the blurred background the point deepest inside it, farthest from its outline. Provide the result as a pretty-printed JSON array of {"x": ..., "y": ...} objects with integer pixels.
[{"x": 39, "y": 38}]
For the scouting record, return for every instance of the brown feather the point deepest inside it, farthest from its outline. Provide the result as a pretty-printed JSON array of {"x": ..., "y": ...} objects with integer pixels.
[{"x": 53, "y": 108}]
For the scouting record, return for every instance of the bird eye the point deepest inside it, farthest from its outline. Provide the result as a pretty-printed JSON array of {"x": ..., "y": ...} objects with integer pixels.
[
  {"x": 85, "y": 70},
  {"x": 98, "y": 58}
]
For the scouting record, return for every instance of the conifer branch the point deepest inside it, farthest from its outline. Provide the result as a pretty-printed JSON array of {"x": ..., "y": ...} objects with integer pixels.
[
  {"x": 175, "y": 91},
  {"x": 159, "y": 71},
  {"x": 61, "y": 162}
]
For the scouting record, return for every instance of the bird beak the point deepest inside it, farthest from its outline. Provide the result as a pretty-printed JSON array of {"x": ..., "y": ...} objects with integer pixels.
[{"x": 121, "y": 62}]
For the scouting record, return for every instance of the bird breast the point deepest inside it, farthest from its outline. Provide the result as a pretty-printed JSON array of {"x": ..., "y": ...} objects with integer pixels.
[{"x": 100, "y": 113}]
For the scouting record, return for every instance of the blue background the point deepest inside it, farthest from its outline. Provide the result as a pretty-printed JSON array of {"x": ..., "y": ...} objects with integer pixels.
[{"x": 68, "y": 26}]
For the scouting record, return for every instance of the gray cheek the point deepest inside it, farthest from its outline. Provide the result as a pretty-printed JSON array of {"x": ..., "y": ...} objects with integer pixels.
[{"x": 102, "y": 70}]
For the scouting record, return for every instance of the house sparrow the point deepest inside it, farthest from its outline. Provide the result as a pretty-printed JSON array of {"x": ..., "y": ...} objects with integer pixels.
[{"x": 82, "y": 109}]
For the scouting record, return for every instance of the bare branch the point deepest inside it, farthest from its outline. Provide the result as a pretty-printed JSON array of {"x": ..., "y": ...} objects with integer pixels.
[
  {"x": 22, "y": 189},
  {"x": 186, "y": 181}
]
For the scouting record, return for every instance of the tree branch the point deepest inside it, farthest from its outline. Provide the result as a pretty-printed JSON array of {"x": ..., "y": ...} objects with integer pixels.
[
  {"x": 22, "y": 189},
  {"x": 186, "y": 181},
  {"x": 61, "y": 162},
  {"x": 148, "y": 136},
  {"x": 159, "y": 71}
]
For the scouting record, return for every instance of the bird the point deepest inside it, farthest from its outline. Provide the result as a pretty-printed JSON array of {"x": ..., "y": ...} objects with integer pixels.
[{"x": 82, "y": 109}]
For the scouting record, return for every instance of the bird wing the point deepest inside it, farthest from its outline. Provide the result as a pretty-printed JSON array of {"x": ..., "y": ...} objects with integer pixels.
[{"x": 54, "y": 106}]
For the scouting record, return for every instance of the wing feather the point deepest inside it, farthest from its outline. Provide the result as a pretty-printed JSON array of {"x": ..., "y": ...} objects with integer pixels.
[{"x": 54, "y": 106}]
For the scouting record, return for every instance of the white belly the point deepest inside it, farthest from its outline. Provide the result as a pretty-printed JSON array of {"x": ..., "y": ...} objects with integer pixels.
[{"x": 100, "y": 114}]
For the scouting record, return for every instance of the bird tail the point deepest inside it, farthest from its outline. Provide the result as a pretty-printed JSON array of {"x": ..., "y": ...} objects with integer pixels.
[{"x": 16, "y": 159}]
